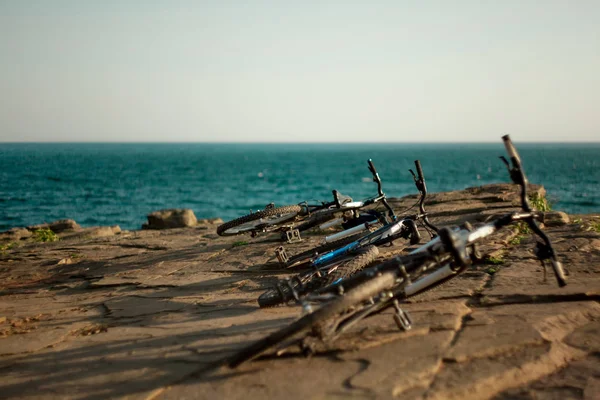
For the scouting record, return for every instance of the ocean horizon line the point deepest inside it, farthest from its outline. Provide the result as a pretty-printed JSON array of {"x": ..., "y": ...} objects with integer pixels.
[{"x": 297, "y": 143}]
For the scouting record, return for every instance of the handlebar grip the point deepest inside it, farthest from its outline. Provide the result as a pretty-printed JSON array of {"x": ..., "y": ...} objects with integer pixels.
[
  {"x": 419, "y": 170},
  {"x": 510, "y": 149},
  {"x": 372, "y": 167},
  {"x": 559, "y": 272}
]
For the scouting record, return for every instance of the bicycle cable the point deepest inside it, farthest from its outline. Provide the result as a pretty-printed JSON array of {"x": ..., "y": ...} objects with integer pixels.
[{"x": 403, "y": 211}]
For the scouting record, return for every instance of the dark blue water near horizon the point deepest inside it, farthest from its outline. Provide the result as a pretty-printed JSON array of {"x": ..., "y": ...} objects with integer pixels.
[{"x": 119, "y": 184}]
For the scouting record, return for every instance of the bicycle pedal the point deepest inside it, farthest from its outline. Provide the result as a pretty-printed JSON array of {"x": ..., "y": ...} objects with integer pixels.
[
  {"x": 293, "y": 236},
  {"x": 308, "y": 347},
  {"x": 402, "y": 318},
  {"x": 282, "y": 256},
  {"x": 307, "y": 351}
]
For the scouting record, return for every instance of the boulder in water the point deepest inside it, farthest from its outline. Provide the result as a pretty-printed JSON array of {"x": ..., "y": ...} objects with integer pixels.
[{"x": 172, "y": 218}]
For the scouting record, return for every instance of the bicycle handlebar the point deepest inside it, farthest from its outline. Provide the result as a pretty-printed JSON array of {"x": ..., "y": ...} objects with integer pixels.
[
  {"x": 372, "y": 167},
  {"x": 381, "y": 196},
  {"x": 376, "y": 177},
  {"x": 518, "y": 176},
  {"x": 511, "y": 150},
  {"x": 422, "y": 188},
  {"x": 419, "y": 170}
]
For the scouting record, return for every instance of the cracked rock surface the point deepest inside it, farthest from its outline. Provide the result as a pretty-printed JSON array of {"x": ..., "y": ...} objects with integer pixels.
[{"x": 151, "y": 314}]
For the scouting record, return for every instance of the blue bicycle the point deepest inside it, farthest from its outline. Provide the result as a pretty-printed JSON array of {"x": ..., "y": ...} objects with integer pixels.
[{"x": 334, "y": 265}]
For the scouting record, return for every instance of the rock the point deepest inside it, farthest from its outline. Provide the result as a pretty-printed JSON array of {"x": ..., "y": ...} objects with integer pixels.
[
  {"x": 153, "y": 307},
  {"x": 555, "y": 218},
  {"x": 57, "y": 226},
  {"x": 16, "y": 234},
  {"x": 173, "y": 218},
  {"x": 210, "y": 221},
  {"x": 94, "y": 232},
  {"x": 102, "y": 231}
]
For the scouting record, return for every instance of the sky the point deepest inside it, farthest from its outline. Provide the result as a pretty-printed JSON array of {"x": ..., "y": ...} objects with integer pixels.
[{"x": 299, "y": 71}]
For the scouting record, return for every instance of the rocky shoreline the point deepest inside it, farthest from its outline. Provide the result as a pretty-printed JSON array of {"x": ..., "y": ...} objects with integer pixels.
[{"x": 102, "y": 312}]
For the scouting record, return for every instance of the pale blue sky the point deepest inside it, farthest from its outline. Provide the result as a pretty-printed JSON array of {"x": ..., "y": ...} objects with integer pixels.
[{"x": 299, "y": 70}]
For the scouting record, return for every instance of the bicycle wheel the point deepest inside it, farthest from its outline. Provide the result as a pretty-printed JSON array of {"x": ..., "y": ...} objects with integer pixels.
[
  {"x": 363, "y": 292},
  {"x": 310, "y": 281},
  {"x": 259, "y": 220}
]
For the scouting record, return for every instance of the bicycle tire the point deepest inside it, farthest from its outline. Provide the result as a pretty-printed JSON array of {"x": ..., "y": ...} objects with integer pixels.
[
  {"x": 360, "y": 293},
  {"x": 359, "y": 262},
  {"x": 310, "y": 282},
  {"x": 224, "y": 229}
]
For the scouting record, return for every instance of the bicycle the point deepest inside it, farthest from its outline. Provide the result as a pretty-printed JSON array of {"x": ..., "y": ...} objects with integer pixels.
[
  {"x": 378, "y": 288},
  {"x": 328, "y": 267},
  {"x": 310, "y": 215}
]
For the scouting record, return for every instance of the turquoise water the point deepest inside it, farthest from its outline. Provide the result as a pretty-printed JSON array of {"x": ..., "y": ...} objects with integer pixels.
[{"x": 108, "y": 184}]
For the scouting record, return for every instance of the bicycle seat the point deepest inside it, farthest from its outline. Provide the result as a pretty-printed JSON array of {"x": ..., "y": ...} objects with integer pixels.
[{"x": 340, "y": 199}]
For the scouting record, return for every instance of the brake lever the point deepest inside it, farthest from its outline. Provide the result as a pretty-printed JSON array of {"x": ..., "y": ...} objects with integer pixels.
[
  {"x": 413, "y": 174},
  {"x": 513, "y": 172},
  {"x": 418, "y": 182}
]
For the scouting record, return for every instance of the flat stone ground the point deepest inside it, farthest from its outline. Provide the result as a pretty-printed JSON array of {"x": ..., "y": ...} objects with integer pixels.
[{"x": 147, "y": 314}]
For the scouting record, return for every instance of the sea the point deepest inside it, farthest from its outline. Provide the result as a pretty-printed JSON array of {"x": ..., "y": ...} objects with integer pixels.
[{"x": 119, "y": 184}]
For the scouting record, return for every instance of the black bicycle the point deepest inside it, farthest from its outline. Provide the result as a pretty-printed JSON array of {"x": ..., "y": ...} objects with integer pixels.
[
  {"x": 378, "y": 288},
  {"x": 330, "y": 267},
  {"x": 307, "y": 215}
]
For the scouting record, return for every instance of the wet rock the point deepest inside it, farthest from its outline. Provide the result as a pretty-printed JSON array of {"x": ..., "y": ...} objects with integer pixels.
[{"x": 173, "y": 218}]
